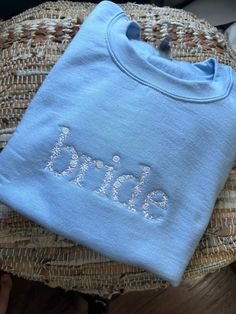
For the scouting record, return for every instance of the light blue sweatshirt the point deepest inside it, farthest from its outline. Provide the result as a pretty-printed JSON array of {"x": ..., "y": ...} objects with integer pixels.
[{"x": 122, "y": 150}]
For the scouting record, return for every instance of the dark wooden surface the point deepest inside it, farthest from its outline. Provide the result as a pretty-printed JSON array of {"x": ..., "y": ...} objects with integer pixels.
[{"x": 212, "y": 294}]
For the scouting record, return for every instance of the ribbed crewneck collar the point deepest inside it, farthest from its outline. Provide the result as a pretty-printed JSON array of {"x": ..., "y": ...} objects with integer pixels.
[{"x": 215, "y": 84}]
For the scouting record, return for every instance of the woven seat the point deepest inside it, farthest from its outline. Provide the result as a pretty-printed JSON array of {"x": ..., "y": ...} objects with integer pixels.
[{"x": 30, "y": 44}]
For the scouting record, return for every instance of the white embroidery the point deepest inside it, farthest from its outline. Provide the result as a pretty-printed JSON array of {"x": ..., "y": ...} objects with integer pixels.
[
  {"x": 108, "y": 177},
  {"x": 149, "y": 199},
  {"x": 99, "y": 164},
  {"x": 83, "y": 169},
  {"x": 56, "y": 152},
  {"x": 118, "y": 184},
  {"x": 137, "y": 189},
  {"x": 116, "y": 158}
]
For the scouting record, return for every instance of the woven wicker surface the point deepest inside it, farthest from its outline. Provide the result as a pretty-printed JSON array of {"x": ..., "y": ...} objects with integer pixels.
[{"x": 30, "y": 44}]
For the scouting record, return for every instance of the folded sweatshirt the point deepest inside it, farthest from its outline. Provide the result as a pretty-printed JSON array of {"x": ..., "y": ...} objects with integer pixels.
[{"x": 123, "y": 150}]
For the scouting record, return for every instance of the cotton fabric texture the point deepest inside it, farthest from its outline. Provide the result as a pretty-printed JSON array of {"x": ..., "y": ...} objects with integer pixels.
[{"x": 122, "y": 150}]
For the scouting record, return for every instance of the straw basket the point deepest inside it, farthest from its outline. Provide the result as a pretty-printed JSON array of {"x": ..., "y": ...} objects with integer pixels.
[{"x": 30, "y": 44}]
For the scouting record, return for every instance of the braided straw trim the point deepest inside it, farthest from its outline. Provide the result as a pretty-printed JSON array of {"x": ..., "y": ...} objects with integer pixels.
[{"x": 30, "y": 44}]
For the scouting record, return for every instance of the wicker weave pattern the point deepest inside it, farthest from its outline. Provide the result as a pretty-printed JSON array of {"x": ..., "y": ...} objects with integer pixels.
[{"x": 30, "y": 44}]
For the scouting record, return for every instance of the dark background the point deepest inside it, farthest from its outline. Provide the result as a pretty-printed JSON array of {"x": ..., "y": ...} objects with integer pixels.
[{"x": 10, "y": 8}]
